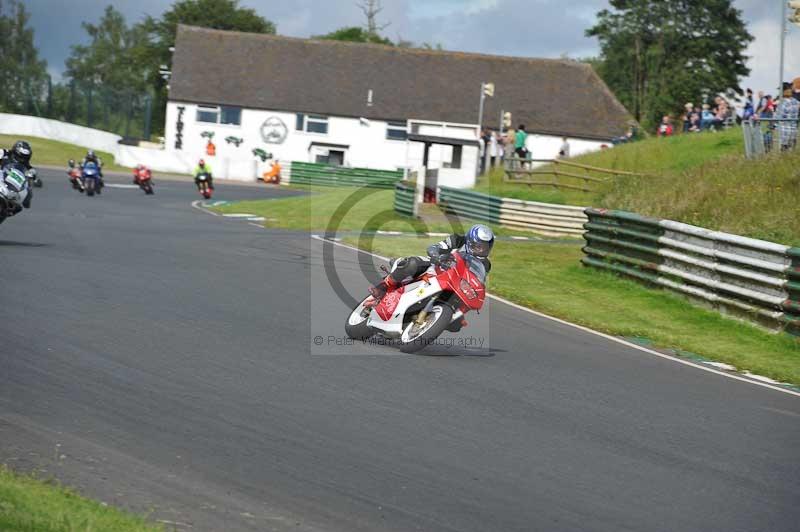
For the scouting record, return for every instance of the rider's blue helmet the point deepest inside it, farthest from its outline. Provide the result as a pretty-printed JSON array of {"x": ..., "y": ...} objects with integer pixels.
[{"x": 480, "y": 240}]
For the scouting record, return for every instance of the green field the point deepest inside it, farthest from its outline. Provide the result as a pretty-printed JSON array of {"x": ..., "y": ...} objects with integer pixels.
[
  {"x": 31, "y": 505},
  {"x": 548, "y": 277},
  {"x": 702, "y": 179},
  {"x": 55, "y": 153}
]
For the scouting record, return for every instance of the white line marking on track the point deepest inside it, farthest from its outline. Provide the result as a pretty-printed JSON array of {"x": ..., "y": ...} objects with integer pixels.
[
  {"x": 117, "y": 185},
  {"x": 256, "y": 225},
  {"x": 199, "y": 206},
  {"x": 238, "y": 215},
  {"x": 256, "y": 219},
  {"x": 602, "y": 335}
]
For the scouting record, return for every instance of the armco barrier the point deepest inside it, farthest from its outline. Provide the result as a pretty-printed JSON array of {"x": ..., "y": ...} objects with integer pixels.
[
  {"x": 545, "y": 218},
  {"x": 321, "y": 174},
  {"x": 404, "y": 198},
  {"x": 754, "y": 279}
]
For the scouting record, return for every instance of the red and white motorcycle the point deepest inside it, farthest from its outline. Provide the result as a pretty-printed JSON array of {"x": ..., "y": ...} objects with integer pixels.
[{"x": 415, "y": 314}]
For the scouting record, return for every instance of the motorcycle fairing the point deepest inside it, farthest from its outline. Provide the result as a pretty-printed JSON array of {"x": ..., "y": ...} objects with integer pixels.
[{"x": 392, "y": 321}]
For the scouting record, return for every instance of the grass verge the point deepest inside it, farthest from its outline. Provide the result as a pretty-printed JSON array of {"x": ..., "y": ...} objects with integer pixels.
[
  {"x": 555, "y": 283},
  {"x": 30, "y": 505},
  {"x": 340, "y": 209},
  {"x": 55, "y": 153}
]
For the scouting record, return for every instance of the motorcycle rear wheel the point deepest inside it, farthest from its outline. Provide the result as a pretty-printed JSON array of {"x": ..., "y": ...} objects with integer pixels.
[{"x": 415, "y": 338}]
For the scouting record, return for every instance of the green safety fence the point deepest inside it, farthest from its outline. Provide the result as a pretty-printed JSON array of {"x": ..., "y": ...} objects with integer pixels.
[
  {"x": 753, "y": 279},
  {"x": 325, "y": 175},
  {"x": 404, "y": 198},
  {"x": 468, "y": 204}
]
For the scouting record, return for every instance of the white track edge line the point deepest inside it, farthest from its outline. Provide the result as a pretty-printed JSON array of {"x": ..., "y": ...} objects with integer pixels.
[
  {"x": 597, "y": 333},
  {"x": 197, "y": 205}
]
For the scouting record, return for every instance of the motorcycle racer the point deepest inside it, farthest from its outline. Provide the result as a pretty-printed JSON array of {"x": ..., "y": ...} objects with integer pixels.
[
  {"x": 19, "y": 156},
  {"x": 203, "y": 168},
  {"x": 478, "y": 241}
]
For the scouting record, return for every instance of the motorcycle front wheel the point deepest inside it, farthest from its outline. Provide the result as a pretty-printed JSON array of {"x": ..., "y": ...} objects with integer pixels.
[
  {"x": 416, "y": 337},
  {"x": 356, "y": 325}
]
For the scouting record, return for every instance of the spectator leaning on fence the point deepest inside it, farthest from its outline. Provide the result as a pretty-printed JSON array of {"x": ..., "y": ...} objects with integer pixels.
[
  {"x": 748, "y": 109},
  {"x": 519, "y": 142},
  {"x": 787, "y": 112}
]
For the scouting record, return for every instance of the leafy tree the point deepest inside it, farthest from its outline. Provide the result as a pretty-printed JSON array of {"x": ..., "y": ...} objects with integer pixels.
[
  {"x": 24, "y": 74},
  {"x": 354, "y": 34},
  {"x": 110, "y": 59},
  {"x": 658, "y": 54}
]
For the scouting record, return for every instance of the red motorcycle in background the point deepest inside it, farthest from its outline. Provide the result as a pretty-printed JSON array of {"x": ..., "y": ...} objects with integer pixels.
[
  {"x": 75, "y": 176},
  {"x": 143, "y": 177}
]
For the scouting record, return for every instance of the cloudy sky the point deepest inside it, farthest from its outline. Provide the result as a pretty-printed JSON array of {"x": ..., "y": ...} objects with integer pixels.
[{"x": 533, "y": 28}]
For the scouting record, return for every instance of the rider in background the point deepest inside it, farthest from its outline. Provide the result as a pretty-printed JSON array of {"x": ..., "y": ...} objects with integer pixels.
[
  {"x": 91, "y": 157},
  {"x": 203, "y": 168},
  {"x": 140, "y": 171},
  {"x": 478, "y": 242},
  {"x": 20, "y": 154}
]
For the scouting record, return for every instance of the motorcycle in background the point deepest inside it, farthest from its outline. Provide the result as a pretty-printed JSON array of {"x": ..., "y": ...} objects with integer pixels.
[
  {"x": 91, "y": 178},
  {"x": 205, "y": 190},
  {"x": 415, "y": 314},
  {"x": 143, "y": 177},
  {"x": 75, "y": 177}
]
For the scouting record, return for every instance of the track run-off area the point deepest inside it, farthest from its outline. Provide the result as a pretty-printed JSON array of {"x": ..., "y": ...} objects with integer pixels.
[{"x": 193, "y": 368}]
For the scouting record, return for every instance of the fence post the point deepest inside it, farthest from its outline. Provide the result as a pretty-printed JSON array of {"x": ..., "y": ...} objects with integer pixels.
[{"x": 148, "y": 111}]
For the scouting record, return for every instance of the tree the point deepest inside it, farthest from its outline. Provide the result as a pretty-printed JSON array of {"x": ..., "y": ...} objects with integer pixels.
[
  {"x": 371, "y": 9},
  {"x": 111, "y": 57},
  {"x": 24, "y": 74},
  {"x": 354, "y": 34},
  {"x": 658, "y": 54}
]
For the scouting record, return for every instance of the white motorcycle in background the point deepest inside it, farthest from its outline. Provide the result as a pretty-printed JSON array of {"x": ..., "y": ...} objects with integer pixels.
[{"x": 13, "y": 190}]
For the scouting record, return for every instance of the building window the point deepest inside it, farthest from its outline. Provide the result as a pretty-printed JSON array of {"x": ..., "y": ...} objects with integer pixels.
[
  {"x": 311, "y": 123},
  {"x": 208, "y": 114},
  {"x": 396, "y": 131},
  {"x": 223, "y": 114}
]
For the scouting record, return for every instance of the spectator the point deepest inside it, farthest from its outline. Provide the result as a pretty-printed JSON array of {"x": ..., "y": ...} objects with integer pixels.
[
  {"x": 762, "y": 102},
  {"x": 706, "y": 117},
  {"x": 796, "y": 88},
  {"x": 508, "y": 144},
  {"x": 695, "y": 119},
  {"x": 665, "y": 127},
  {"x": 787, "y": 112},
  {"x": 563, "y": 153},
  {"x": 519, "y": 142},
  {"x": 687, "y": 117},
  {"x": 749, "y": 110},
  {"x": 769, "y": 107}
]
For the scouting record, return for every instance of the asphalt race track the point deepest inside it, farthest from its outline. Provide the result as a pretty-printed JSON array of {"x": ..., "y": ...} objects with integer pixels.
[{"x": 164, "y": 360}]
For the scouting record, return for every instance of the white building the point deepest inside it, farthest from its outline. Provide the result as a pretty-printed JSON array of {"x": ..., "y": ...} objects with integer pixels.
[{"x": 373, "y": 106}]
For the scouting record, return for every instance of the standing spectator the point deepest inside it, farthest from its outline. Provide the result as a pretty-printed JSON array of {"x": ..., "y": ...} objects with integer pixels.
[
  {"x": 796, "y": 88},
  {"x": 563, "y": 153},
  {"x": 508, "y": 145},
  {"x": 696, "y": 119},
  {"x": 769, "y": 107},
  {"x": 749, "y": 110},
  {"x": 495, "y": 148},
  {"x": 687, "y": 117},
  {"x": 665, "y": 127},
  {"x": 787, "y": 112},
  {"x": 519, "y": 142},
  {"x": 762, "y": 102}
]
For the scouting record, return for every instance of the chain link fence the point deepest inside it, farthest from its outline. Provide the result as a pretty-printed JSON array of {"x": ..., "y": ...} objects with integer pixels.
[
  {"x": 126, "y": 113},
  {"x": 769, "y": 135}
]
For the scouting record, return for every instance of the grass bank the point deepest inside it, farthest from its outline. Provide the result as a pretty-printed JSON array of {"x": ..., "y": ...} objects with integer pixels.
[
  {"x": 28, "y": 505},
  {"x": 548, "y": 277},
  {"x": 55, "y": 153},
  {"x": 701, "y": 179}
]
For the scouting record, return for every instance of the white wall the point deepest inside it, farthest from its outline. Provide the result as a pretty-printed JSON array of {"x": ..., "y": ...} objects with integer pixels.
[
  {"x": 34, "y": 126},
  {"x": 547, "y": 146}
]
